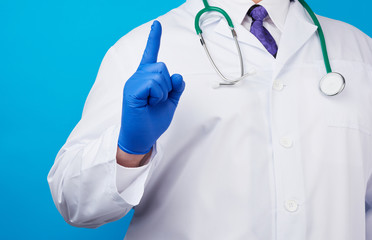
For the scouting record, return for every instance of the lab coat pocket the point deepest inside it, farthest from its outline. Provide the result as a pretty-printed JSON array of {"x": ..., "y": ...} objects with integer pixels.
[
  {"x": 351, "y": 109},
  {"x": 349, "y": 138},
  {"x": 349, "y": 120}
]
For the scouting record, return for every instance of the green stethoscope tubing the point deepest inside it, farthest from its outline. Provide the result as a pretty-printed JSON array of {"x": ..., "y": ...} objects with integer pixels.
[
  {"x": 208, "y": 8},
  {"x": 321, "y": 35}
]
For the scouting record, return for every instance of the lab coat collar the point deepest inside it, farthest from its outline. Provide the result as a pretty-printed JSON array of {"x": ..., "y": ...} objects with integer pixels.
[
  {"x": 298, "y": 29},
  {"x": 238, "y": 9},
  {"x": 277, "y": 10}
]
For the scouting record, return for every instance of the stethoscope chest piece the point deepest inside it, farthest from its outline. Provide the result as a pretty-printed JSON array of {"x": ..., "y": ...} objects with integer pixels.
[{"x": 332, "y": 84}]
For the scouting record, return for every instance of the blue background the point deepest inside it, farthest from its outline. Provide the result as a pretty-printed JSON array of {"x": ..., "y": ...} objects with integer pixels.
[{"x": 50, "y": 54}]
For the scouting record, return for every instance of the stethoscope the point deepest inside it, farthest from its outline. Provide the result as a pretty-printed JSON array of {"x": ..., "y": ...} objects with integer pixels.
[{"x": 331, "y": 84}]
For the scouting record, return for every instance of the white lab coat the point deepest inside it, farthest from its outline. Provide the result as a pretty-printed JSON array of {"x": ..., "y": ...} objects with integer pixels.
[{"x": 269, "y": 158}]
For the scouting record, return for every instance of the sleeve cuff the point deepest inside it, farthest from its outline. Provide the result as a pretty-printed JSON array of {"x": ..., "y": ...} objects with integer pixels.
[{"x": 130, "y": 182}]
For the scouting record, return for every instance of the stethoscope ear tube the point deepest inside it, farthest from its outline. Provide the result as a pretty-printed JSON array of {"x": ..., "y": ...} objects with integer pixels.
[
  {"x": 208, "y": 8},
  {"x": 234, "y": 35},
  {"x": 226, "y": 80}
]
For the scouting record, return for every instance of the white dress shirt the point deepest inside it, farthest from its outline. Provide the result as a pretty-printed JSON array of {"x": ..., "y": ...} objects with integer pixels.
[
  {"x": 275, "y": 21},
  {"x": 270, "y": 158}
]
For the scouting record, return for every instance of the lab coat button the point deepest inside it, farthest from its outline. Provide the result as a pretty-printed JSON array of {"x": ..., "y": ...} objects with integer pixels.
[
  {"x": 291, "y": 205},
  {"x": 286, "y": 142},
  {"x": 278, "y": 85}
]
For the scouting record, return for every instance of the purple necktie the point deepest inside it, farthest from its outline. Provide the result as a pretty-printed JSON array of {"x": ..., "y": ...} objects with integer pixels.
[{"x": 258, "y": 14}]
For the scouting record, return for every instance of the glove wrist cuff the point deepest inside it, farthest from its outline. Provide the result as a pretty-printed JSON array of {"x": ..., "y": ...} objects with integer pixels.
[{"x": 133, "y": 152}]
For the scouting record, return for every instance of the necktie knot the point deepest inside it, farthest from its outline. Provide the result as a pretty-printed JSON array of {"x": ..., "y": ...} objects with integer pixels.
[{"x": 258, "y": 13}]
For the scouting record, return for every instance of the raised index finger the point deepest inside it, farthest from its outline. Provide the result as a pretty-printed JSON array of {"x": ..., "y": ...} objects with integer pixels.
[{"x": 150, "y": 54}]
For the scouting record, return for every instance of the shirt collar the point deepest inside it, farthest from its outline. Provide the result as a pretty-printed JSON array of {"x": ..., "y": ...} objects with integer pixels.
[{"x": 237, "y": 9}]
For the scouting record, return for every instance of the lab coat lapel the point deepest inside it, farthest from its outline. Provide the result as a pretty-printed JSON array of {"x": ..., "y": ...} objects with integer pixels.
[
  {"x": 244, "y": 35},
  {"x": 297, "y": 31}
]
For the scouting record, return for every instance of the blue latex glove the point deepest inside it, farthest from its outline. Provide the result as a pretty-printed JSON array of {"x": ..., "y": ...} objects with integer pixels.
[{"x": 150, "y": 98}]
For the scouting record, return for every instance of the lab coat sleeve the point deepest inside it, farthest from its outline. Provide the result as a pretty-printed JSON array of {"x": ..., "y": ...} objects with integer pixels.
[
  {"x": 369, "y": 183},
  {"x": 87, "y": 186},
  {"x": 369, "y": 210}
]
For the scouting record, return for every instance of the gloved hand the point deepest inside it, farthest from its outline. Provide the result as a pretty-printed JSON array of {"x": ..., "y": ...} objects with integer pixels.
[{"x": 150, "y": 98}]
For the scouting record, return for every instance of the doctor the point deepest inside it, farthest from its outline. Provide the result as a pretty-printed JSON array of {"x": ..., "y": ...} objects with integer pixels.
[{"x": 270, "y": 157}]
